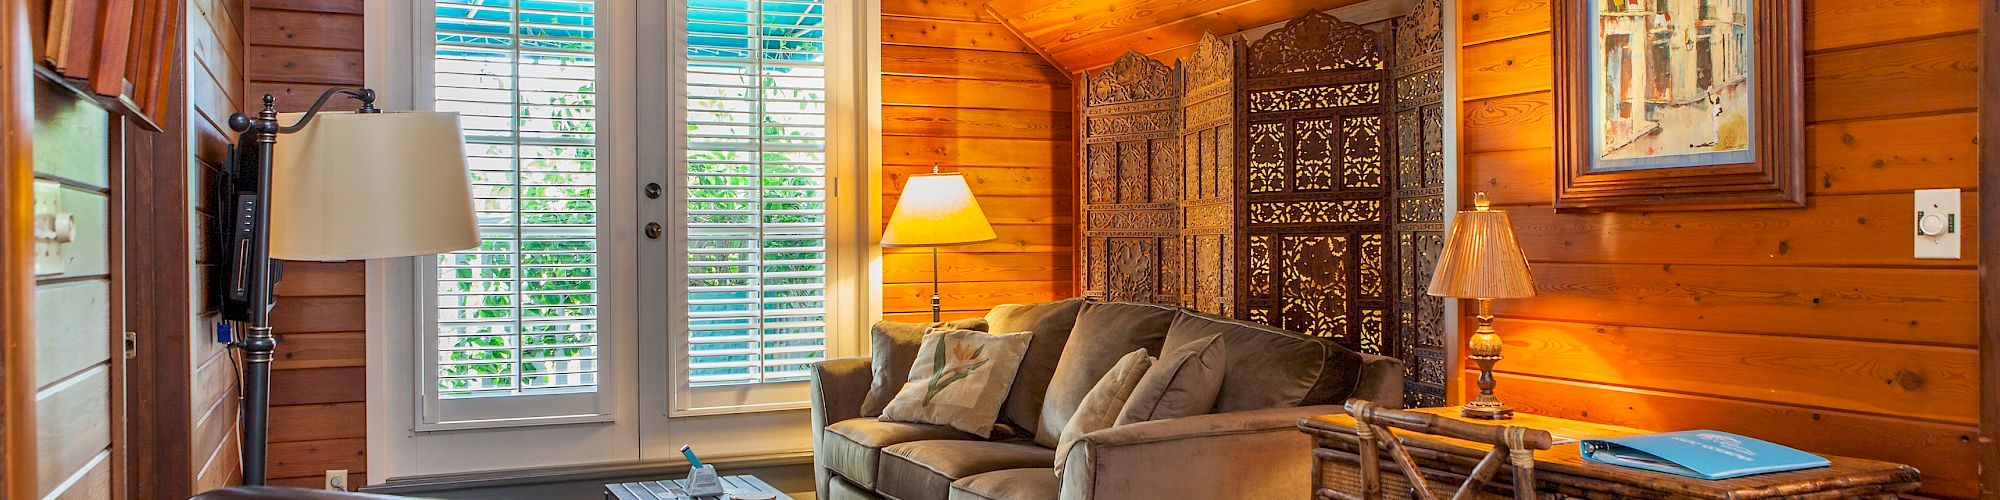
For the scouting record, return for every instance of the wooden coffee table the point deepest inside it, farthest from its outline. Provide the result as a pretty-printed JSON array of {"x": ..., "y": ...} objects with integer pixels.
[{"x": 671, "y": 489}]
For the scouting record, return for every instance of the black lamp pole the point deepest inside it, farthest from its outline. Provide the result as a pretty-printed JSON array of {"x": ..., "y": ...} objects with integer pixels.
[{"x": 252, "y": 272}]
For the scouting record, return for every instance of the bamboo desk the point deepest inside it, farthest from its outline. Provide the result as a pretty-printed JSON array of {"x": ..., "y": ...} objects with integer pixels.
[{"x": 1561, "y": 473}]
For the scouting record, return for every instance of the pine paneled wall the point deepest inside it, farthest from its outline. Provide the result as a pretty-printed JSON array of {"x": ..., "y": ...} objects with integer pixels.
[
  {"x": 958, "y": 88},
  {"x": 296, "y": 49},
  {"x": 214, "y": 90},
  {"x": 1810, "y": 327}
]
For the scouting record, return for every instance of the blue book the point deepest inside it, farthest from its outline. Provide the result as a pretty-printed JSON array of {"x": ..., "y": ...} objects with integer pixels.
[{"x": 1701, "y": 454}]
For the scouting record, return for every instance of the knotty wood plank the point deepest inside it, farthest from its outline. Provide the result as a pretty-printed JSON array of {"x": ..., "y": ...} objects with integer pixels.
[
  {"x": 1989, "y": 254},
  {"x": 213, "y": 429},
  {"x": 316, "y": 482},
  {"x": 1943, "y": 452},
  {"x": 970, "y": 35},
  {"x": 1513, "y": 122},
  {"x": 318, "y": 314},
  {"x": 72, "y": 329},
  {"x": 91, "y": 483},
  {"x": 72, "y": 426},
  {"x": 337, "y": 6},
  {"x": 1838, "y": 24},
  {"x": 1933, "y": 383},
  {"x": 988, "y": 181},
  {"x": 214, "y": 379},
  {"x": 319, "y": 421},
  {"x": 1482, "y": 21},
  {"x": 975, "y": 267},
  {"x": 313, "y": 458},
  {"x": 322, "y": 279},
  {"x": 924, "y": 316},
  {"x": 963, "y": 93},
  {"x": 287, "y": 64},
  {"x": 1507, "y": 67},
  {"x": 958, "y": 63},
  {"x": 320, "y": 350},
  {"x": 1014, "y": 238},
  {"x": 1858, "y": 230},
  {"x": 1925, "y": 76},
  {"x": 1511, "y": 177},
  {"x": 977, "y": 296},
  {"x": 955, "y": 152},
  {"x": 1243, "y": 16},
  {"x": 980, "y": 123},
  {"x": 294, "y": 97},
  {"x": 288, "y": 28},
  {"x": 318, "y": 386},
  {"x": 223, "y": 467},
  {"x": 1930, "y": 306},
  {"x": 1894, "y": 155},
  {"x": 962, "y": 10}
]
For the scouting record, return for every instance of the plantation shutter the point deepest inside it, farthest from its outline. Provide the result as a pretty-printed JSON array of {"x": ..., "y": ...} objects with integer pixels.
[
  {"x": 518, "y": 315},
  {"x": 756, "y": 199}
]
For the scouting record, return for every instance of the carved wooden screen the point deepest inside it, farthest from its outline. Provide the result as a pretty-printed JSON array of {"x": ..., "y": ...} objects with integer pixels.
[
  {"x": 1208, "y": 140},
  {"x": 1131, "y": 182},
  {"x": 1313, "y": 149},
  {"x": 1418, "y": 76}
]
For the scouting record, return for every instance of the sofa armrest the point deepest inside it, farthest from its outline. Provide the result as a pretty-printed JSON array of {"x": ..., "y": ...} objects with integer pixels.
[
  {"x": 1380, "y": 381},
  {"x": 838, "y": 386},
  {"x": 1246, "y": 454}
]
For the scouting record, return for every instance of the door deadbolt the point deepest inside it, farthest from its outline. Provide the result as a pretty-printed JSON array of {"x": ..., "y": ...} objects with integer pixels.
[
  {"x": 652, "y": 190},
  {"x": 653, "y": 230}
]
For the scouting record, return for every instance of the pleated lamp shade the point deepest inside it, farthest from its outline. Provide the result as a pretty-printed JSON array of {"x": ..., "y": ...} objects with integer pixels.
[
  {"x": 937, "y": 210},
  {"x": 355, "y": 186},
  {"x": 1482, "y": 260}
]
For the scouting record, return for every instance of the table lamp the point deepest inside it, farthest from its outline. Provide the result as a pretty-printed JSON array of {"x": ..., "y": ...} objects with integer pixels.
[
  {"x": 340, "y": 186},
  {"x": 936, "y": 210},
  {"x": 1483, "y": 261}
]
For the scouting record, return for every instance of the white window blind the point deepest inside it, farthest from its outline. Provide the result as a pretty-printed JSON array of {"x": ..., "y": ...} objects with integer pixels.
[
  {"x": 756, "y": 200},
  {"x": 518, "y": 315}
]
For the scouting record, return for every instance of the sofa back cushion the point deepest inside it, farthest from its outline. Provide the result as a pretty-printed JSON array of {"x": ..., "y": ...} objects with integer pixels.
[
  {"x": 894, "y": 347},
  {"x": 1105, "y": 331},
  {"x": 1051, "y": 323},
  {"x": 1271, "y": 368}
]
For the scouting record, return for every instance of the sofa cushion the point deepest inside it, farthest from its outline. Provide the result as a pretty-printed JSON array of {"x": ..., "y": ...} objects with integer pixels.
[
  {"x": 1183, "y": 383},
  {"x": 839, "y": 488},
  {"x": 894, "y": 348},
  {"x": 1104, "y": 332},
  {"x": 960, "y": 379},
  {"x": 1271, "y": 368},
  {"x": 1103, "y": 403},
  {"x": 1051, "y": 322},
  {"x": 852, "y": 448},
  {"x": 1010, "y": 484},
  {"x": 925, "y": 469}
]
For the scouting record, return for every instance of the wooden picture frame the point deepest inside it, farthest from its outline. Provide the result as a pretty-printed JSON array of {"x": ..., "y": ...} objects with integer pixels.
[{"x": 1768, "y": 173}]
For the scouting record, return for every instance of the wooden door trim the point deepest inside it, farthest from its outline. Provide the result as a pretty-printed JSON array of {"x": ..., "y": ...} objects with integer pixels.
[
  {"x": 17, "y": 267},
  {"x": 1989, "y": 251}
]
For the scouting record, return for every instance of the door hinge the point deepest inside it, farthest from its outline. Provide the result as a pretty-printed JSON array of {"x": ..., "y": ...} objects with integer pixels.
[{"x": 131, "y": 345}]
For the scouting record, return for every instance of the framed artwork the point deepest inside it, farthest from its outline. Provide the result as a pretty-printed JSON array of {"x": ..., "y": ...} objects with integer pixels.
[{"x": 1679, "y": 104}]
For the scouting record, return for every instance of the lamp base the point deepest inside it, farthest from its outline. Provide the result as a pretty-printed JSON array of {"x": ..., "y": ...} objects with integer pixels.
[{"x": 1487, "y": 411}]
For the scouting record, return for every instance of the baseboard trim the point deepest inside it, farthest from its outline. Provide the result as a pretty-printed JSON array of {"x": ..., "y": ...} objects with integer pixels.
[{"x": 416, "y": 485}]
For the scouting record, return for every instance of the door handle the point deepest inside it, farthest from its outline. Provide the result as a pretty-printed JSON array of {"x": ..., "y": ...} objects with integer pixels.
[{"x": 653, "y": 230}]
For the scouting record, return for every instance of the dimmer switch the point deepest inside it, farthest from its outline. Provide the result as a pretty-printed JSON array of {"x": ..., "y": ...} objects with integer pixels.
[{"x": 1937, "y": 224}]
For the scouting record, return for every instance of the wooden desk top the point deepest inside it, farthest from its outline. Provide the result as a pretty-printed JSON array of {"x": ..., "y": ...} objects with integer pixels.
[{"x": 1563, "y": 461}]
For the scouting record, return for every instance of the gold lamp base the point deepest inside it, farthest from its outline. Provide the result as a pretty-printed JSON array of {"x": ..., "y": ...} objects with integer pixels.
[{"x": 1485, "y": 350}]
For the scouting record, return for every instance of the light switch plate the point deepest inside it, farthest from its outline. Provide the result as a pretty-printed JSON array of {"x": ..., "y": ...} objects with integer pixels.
[{"x": 1937, "y": 223}]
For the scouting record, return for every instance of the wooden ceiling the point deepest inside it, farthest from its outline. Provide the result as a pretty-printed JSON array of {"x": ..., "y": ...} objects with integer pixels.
[{"x": 1081, "y": 35}]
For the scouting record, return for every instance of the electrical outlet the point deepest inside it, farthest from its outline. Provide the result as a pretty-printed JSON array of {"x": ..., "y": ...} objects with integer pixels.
[{"x": 336, "y": 479}]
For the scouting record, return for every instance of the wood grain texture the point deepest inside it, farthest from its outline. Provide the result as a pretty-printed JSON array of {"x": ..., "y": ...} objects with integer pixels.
[
  {"x": 898, "y": 30},
  {"x": 320, "y": 421},
  {"x": 1087, "y": 34},
  {"x": 314, "y": 458},
  {"x": 291, "y": 28},
  {"x": 1989, "y": 253},
  {"x": 73, "y": 426},
  {"x": 1782, "y": 300}
]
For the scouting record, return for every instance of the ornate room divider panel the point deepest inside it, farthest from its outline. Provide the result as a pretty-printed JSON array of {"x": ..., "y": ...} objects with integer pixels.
[
  {"x": 1208, "y": 140},
  {"x": 1131, "y": 186},
  {"x": 1418, "y": 73},
  {"x": 1315, "y": 184}
]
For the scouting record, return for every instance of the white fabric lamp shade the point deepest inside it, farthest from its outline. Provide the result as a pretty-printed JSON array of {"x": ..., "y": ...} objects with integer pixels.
[
  {"x": 937, "y": 210},
  {"x": 355, "y": 186}
]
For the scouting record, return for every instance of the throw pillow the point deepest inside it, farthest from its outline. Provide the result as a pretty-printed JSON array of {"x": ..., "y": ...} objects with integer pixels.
[
  {"x": 959, "y": 380},
  {"x": 1101, "y": 405},
  {"x": 894, "y": 346},
  {"x": 1104, "y": 331},
  {"x": 1051, "y": 322},
  {"x": 1183, "y": 383}
]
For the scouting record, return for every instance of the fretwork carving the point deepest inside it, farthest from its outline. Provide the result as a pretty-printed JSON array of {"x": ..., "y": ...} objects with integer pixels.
[
  {"x": 1208, "y": 80},
  {"x": 1130, "y": 207},
  {"x": 1133, "y": 78},
  {"x": 1418, "y": 72},
  {"x": 1315, "y": 42}
]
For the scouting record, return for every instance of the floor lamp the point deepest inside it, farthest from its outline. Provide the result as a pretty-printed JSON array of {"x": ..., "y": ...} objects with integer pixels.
[
  {"x": 936, "y": 210},
  {"x": 341, "y": 186}
]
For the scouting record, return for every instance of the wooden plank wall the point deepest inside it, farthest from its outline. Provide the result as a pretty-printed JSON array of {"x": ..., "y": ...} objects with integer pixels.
[
  {"x": 294, "y": 50},
  {"x": 1810, "y": 327},
  {"x": 214, "y": 91},
  {"x": 958, "y": 88}
]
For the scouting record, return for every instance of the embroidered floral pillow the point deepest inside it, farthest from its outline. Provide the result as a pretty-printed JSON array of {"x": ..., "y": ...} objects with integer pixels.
[{"x": 959, "y": 380}]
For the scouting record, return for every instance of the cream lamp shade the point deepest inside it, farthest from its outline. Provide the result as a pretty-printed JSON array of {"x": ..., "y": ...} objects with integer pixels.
[
  {"x": 1482, "y": 260},
  {"x": 354, "y": 186},
  {"x": 937, "y": 209}
]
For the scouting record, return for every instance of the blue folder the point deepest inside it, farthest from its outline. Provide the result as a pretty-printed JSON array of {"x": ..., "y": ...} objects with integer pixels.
[{"x": 1701, "y": 454}]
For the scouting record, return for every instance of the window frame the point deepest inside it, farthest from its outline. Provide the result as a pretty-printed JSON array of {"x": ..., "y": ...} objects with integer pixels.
[
  {"x": 614, "y": 245},
  {"x": 850, "y": 249}
]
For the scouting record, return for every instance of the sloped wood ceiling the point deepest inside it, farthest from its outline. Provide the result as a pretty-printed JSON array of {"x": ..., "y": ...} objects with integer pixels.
[{"x": 1087, "y": 34}]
